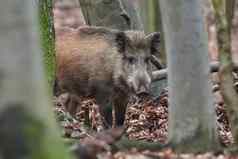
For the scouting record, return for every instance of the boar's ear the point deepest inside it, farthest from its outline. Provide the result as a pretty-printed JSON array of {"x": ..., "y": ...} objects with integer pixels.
[
  {"x": 154, "y": 42},
  {"x": 121, "y": 41}
]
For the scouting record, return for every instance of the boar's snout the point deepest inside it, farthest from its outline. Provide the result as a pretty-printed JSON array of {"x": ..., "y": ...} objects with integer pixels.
[
  {"x": 143, "y": 91},
  {"x": 141, "y": 83}
]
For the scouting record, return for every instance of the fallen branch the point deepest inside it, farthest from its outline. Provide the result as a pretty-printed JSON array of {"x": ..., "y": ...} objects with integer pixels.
[
  {"x": 162, "y": 74},
  {"x": 159, "y": 75}
]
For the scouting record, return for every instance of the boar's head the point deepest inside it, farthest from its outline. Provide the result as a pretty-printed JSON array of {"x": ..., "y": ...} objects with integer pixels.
[{"x": 135, "y": 67}]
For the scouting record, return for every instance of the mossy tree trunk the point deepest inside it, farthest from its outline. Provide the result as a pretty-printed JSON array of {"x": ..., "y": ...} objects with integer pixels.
[
  {"x": 47, "y": 38},
  {"x": 150, "y": 18},
  {"x": 234, "y": 35},
  {"x": 191, "y": 111},
  {"x": 27, "y": 124},
  {"x": 224, "y": 18},
  {"x": 210, "y": 24}
]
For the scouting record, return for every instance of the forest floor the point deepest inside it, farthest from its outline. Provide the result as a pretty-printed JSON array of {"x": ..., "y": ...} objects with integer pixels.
[{"x": 146, "y": 120}]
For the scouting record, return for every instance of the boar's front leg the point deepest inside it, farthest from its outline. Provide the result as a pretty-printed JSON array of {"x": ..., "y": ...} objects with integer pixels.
[
  {"x": 105, "y": 107},
  {"x": 106, "y": 112},
  {"x": 120, "y": 102}
]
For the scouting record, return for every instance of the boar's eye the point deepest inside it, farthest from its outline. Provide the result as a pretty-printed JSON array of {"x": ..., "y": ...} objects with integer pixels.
[{"x": 131, "y": 60}]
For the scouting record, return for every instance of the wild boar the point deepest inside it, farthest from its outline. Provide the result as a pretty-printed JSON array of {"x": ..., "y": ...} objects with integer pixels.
[{"x": 107, "y": 64}]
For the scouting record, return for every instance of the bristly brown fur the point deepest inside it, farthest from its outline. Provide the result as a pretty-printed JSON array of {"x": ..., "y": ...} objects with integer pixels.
[{"x": 137, "y": 39}]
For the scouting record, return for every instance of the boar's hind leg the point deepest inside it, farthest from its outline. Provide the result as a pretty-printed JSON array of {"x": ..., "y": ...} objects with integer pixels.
[
  {"x": 120, "y": 104},
  {"x": 104, "y": 102}
]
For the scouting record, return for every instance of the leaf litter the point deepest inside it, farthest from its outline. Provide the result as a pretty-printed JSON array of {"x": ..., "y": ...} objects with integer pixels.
[{"x": 146, "y": 120}]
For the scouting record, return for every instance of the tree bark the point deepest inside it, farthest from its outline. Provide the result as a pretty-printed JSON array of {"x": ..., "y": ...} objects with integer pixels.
[
  {"x": 151, "y": 18},
  {"x": 106, "y": 13},
  {"x": 67, "y": 13},
  {"x": 47, "y": 38},
  {"x": 191, "y": 112},
  {"x": 27, "y": 125},
  {"x": 225, "y": 74},
  {"x": 148, "y": 15},
  {"x": 234, "y": 36},
  {"x": 131, "y": 7},
  {"x": 210, "y": 24}
]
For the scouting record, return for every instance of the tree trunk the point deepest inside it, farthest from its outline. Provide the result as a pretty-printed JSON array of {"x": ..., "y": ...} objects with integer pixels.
[
  {"x": 106, "y": 13},
  {"x": 234, "y": 36},
  {"x": 27, "y": 125},
  {"x": 131, "y": 8},
  {"x": 47, "y": 38},
  {"x": 227, "y": 89},
  {"x": 67, "y": 13},
  {"x": 191, "y": 112},
  {"x": 210, "y": 24},
  {"x": 150, "y": 15}
]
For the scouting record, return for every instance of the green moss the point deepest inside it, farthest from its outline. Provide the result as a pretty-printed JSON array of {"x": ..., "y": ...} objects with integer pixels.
[
  {"x": 47, "y": 38},
  {"x": 23, "y": 135}
]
